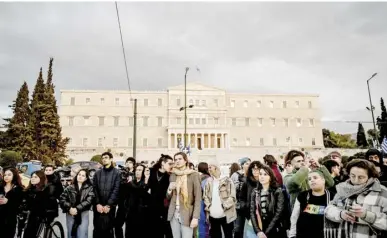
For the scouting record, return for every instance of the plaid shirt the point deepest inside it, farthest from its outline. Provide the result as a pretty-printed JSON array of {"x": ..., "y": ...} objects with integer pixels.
[{"x": 374, "y": 225}]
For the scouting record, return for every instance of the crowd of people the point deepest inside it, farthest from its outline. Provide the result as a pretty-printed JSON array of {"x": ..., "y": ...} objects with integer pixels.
[{"x": 173, "y": 198}]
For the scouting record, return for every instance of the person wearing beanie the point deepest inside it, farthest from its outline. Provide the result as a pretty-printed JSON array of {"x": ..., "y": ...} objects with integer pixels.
[
  {"x": 185, "y": 194},
  {"x": 297, "y": 181},
  {"x": 220, "y": 200},
  {"x": 308, "y": 212},
  {"x": 239, "y": 178}
]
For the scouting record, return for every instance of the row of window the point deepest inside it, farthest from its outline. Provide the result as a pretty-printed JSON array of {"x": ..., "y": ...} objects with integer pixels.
[
  {"x": 197, "y": 103},
  {"x": 273, "y": 143},
  {"x": 191, "y": 121},
  {"x": 101, "y": 142},
  {"x": 271, "y": 104}
]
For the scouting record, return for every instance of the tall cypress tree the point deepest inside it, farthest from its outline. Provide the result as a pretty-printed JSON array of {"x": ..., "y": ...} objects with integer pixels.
[
  {"x": 52, "y": 131},
  {"x": 361, "y": 137},
  {"x": 18, "y": 133},
  {"x": 382, "y": 121},
  {"x": 36, "y": 122}
]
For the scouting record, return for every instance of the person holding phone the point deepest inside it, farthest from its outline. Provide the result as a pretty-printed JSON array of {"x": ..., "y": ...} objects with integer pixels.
[
  {"x": 11, "y": 195},
  {"x": 359, "y": 208}
]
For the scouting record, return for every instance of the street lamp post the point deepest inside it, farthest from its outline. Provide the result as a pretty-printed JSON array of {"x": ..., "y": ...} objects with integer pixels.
[
  {"x": 372, "y": 107},
  {"x": 185, "y": 107}
]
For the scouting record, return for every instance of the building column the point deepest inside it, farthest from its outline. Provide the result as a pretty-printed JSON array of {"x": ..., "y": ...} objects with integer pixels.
[
  {"x": 169, "y": 140},
  {"x": 195, "y": 140},
  {"x": 222, "y": 141},
  {"x": 175, "y": 145},
  {"x": 202, "y": 141}
]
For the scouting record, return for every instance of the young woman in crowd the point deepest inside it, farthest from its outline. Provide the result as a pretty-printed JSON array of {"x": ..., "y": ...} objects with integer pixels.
[
  {"x": 158, "y": 184},
  {"x": 272, "y": 163},
  {"x": 137, "y": 204},
  {"x": 11, "y": 196},
  {"x": 359, "y": 208},
  {"x": 202, "y": 230},
  {"x": 307, "y": 218},
  {"x": 267, "y": 206},
  {"x": 234, "y": 168},
  {"x": 252, "y": 181},
  {"x": 38, "y": 201},
  {"x": 76, "y": 201},
  {"x": 220, "y": 199}
]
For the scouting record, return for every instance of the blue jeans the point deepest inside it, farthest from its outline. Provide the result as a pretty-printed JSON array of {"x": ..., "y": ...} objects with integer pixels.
[
  {"x": 82, "y": 231},
  {"x": 179, "y": 230}
]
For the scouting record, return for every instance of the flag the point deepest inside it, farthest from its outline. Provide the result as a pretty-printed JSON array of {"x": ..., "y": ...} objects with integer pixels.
[
  {"x": 181, "y": 146},
  {"x": 384, "y": 145},
  {"x": 197, "y": 69},
  {"x": 189, "y": 149}
]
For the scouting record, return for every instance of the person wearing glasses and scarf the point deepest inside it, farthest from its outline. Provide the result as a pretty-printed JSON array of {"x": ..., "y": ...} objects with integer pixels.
[{"x": 359, "y": 209}]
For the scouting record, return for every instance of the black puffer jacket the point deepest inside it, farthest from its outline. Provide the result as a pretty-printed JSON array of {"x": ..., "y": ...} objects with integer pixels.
[
  {"x": 275, "y": 205},
  {"x": 106, "y": 186},
  {"x": 247, "y": 188},
  {"x": 68, "y": 199},
  {"x": 54, "y": 180}
]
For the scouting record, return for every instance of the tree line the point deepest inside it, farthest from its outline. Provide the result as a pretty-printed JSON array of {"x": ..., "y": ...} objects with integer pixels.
[{"x": 34, "y": 131}]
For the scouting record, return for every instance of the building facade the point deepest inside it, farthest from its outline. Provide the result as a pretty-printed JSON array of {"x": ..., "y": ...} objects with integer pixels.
[{"x": 217, "y": 121}]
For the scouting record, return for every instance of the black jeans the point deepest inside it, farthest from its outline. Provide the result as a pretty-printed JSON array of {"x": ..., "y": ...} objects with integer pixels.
[
  {"x": 160, "y": 227},
  {"x": 104, "y": 223},
  {"x": 119, "y": 221},
  {"x": 216, "y": 226},
  {"x": 239, "y": 224}
]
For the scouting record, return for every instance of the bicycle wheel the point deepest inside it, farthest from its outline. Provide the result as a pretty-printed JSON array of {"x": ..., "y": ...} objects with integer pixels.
[{"x": 55, "y": 230}]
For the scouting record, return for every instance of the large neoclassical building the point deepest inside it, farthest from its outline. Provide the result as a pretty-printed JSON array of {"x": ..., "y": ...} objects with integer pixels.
[{"x": 219, "y": 123}]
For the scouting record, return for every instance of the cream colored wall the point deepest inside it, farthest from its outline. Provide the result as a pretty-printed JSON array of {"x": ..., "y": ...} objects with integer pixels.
[{"x": 169, "y": 111}]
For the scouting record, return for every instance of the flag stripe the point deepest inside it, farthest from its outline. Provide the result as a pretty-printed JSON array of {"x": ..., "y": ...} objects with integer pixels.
[{"x": 384, "y": 145}]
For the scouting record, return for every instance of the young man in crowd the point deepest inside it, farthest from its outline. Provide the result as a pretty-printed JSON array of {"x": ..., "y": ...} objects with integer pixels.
[
  {"x": 127, "y": 175},
  {"x": 297, "y": 181},
  {"x": 334, "y": 169},
  {"x": 106, "y": 189}
]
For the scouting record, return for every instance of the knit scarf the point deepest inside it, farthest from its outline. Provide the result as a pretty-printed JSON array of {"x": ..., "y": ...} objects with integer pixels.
[
  {"x": 182, "y": 184},
  {"x": 345, "y": 191}
]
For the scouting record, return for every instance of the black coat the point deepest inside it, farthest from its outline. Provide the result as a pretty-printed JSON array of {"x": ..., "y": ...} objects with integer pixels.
[
  {"x": 9, "y": 211},
  {"x": 106, "y": 186},
  {"x": 275, "y": 208},
  {"x": 54, "y": 180},
  {"x": 41, "y": 203},
  {"x": 68, "y": 199},
  {"x": 245, "y": 195},
  {"x": 158, "y": 190}
]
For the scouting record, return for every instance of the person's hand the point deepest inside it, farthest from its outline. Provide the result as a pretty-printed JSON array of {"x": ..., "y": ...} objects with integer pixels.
[
  {"x": 73, "y": 211},
  {"x": 172, "y": 186},
  {"x": 106, "y": 209},
  {"x": 3, "y": 200},
  {"x": 261, "y": 235},
  {"x": 358, "y": 211},
  {"x": 347, "y": 216},
  {"x": 130, "y": 179},
  {"x": 194, "y": 223},
  {"x": 314, "y": 164},
  {"x": 100, "y": 208}
]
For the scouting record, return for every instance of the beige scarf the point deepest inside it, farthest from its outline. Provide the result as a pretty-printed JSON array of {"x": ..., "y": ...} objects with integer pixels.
[{"x": 182, "y": 184}]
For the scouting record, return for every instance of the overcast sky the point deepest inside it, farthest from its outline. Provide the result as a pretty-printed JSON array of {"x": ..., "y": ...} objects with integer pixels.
[{"x": 326, "y": 48}]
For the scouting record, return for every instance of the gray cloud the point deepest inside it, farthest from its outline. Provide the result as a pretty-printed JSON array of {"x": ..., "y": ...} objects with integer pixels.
[{"x": 325, "y": 48}]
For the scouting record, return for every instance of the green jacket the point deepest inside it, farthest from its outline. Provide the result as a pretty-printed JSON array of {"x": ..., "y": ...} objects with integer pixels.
[{"x": 297, "y": 182}]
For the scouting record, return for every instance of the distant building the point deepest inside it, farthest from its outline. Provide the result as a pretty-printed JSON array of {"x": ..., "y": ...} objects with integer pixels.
[{"x": 220, "y": 123}]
